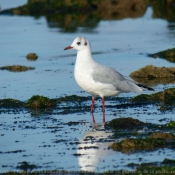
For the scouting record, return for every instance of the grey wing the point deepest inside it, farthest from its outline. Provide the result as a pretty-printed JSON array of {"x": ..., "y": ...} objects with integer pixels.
[{"x": 108, "y": 75}]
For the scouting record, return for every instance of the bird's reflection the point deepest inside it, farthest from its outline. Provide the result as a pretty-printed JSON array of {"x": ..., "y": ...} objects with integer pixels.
[
  {"x": 94, "y": 146},
  {"x": 94, "y": 122}
]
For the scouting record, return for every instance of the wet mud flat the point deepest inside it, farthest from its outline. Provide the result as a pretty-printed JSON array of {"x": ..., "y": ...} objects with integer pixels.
[{"x": 58, "y": 138}]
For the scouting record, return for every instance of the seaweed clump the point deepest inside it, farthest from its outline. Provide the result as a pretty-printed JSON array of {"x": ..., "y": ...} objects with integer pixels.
[
  {"x": 11, "y": 103},
  {"x": 38, "y": 101},
  {"x": 171, "y": 124},
  {"x": 155, "y": 140},
  {"x": 164, "y": 54},
  {"x": 125, "y": 123},
  {"x": 150, "y": 72},
  {"x": 166, "y": 98},
  {"x": 32, "y": 56},
  {"x": 16, "y": 68}
]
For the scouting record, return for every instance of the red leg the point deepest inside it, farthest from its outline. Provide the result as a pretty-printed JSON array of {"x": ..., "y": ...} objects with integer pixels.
[
  {"x": 93, "y": 118},
  {"x": 104, "y": 119},
  {"x": 92, "y": 105},
  {"x": 103, "y": 104}
]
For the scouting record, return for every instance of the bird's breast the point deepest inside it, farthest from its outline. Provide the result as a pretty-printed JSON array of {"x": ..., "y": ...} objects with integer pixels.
[{"x": 84, "y": 79}]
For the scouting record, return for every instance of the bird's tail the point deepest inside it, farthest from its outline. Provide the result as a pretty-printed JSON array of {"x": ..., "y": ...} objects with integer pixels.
[{"x": 145, "y": 87}]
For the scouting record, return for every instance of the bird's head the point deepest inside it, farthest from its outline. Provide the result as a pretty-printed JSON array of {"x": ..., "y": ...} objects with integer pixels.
[{"x": 80, "y": 43}]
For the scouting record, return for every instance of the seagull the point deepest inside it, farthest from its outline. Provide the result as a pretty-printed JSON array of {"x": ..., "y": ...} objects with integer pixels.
[{"x": 99, "y": 80}]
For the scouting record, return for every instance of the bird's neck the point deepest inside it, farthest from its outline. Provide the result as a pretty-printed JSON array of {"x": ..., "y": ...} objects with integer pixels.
[{"x": 84, "y": 56}]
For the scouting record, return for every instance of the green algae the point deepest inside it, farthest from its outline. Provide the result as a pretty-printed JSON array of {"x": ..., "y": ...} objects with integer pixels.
[
  {"x": 74, "y": 103},
  {"x": 16, "y": 68},
  {"x": 156, "y": 136},
  {"x": 38, "y": 104},
  {"x": 132, "y": 125},
  {"x": 38, "y": 101},
  {"x": 165, "y": 98},
  {"x": 167, "y": 166},
  {"x": 11, "y": 103},
  {"x": 140, "y": 144},
  {"x": 171, "y": 124},
  {"x": 125, "y": 123},
  {"x": 169, "y": 53}
]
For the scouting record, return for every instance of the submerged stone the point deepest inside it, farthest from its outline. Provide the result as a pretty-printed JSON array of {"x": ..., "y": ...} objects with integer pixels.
[{"x": 16, "y": 68}]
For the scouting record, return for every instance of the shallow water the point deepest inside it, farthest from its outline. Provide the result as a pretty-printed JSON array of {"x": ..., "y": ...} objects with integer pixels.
[{"x": 48, "y": 141}]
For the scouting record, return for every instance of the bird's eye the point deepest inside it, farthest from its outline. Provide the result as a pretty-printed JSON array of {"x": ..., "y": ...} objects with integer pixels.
[
  {"x": 85, "y": 43},
  {"x": 78, "y": 43}
]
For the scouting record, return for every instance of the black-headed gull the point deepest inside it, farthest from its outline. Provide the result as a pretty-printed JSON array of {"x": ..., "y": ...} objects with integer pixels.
[{"x": 96, "y": 79}]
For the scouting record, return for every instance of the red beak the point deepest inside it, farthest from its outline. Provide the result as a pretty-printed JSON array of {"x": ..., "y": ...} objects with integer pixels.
[{"x": 68, "y": 47}]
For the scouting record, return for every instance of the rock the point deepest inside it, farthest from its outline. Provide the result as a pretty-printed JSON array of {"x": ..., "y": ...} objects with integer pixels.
[
  {"x": 38, "y": 101},
  {"x": 11, "y": 103},
  {"x": 125, "y": 123},
  {"x": 139, "y": 144},
  {"x": 32, "y": 56},
  {"x": 16, "y": 68},
  {"x": 166, "y": 136},
  {"x": 166, "y": 98},
  {"x": 151, "y": 72},
  {"x": 164, "y": 54},
  {"x": 171, "y": 124}
]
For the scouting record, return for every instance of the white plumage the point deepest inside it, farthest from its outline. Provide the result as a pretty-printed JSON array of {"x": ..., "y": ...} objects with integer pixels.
[{"x": 96, "y": 79}]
